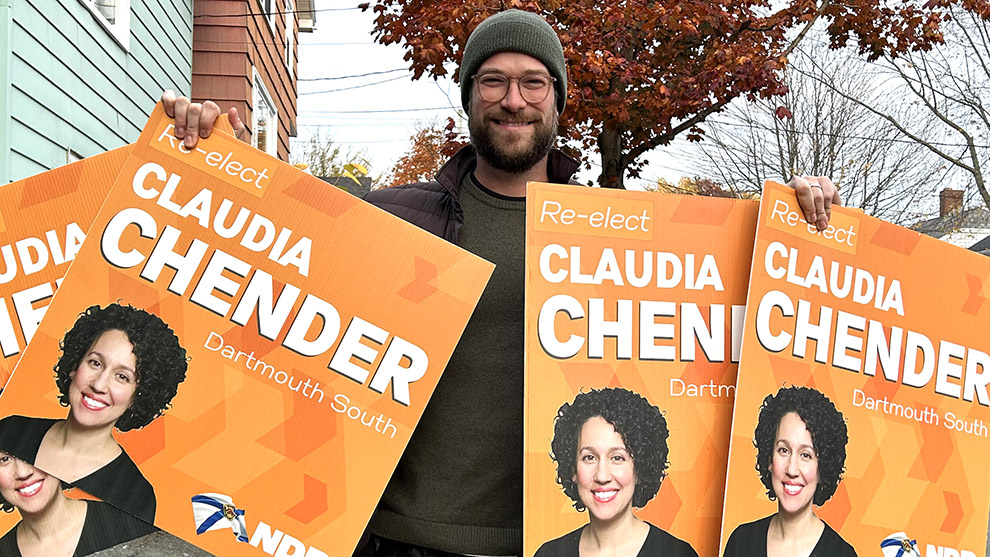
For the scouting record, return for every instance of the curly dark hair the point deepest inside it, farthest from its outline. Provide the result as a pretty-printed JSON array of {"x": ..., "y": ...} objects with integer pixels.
[
  {"x": 824, "y": 423},
  {"x": 161, "y": 361},
  {"x": 641, "y": 425}
]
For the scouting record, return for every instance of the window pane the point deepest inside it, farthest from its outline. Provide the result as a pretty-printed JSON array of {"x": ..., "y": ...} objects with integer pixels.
[{"x": 108, "y": 9}]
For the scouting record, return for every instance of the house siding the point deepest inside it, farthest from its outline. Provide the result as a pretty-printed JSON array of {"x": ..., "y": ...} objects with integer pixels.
[
  {"x": 231, "y": 37},
  {"x": 74, "y": 87}
]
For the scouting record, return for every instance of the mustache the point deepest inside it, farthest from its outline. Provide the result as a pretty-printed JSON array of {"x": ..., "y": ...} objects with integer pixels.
[{"x": 518, "y": 117}]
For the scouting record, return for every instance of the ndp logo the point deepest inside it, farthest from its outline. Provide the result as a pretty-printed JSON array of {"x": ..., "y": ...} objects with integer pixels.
[
  {"x": 594, "y": 215},
  {"x": 842, "y": 232}
]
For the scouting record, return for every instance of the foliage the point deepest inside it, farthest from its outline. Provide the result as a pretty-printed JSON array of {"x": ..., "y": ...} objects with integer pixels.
[
  {"x": 699, "y": 186},
  {"x": 321, "y": 156},
  {"x": 814, "y": 130},
  {"x": 429, "y": 148},
  {"x": 643, "y": 72},
  {"x": 945, "y": 92}
]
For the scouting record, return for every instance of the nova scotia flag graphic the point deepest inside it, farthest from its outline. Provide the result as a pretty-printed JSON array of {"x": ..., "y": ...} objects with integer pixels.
[
  {"x": 899, "y": 545},
  {"x": 214, "y": 511}
]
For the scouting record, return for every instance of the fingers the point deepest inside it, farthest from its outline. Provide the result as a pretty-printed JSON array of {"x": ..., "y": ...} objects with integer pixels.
[
  {"x": 816, "y": 195},
  {"x": 168, "y": 101},
  {"x": 192, "y": 120},
  {"x": 181, "y": 114},
  {"x": 240, "y": 130},
  {"x": 209, "y": 112}
]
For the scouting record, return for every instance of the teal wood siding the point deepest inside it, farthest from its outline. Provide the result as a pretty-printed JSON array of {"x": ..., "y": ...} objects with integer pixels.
[{"x": 74, "y": 87}]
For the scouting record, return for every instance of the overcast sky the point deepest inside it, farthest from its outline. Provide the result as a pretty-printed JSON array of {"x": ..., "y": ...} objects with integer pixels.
[{"x": 377, "y": 113}]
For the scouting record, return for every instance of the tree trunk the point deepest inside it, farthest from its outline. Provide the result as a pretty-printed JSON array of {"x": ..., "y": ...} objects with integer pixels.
[{"x": 613, "y": 166}]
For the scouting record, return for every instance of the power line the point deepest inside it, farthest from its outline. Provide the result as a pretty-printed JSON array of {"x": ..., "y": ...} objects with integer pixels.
[
  {"x": 277, "y": 43},
  {"x": 340, "y": 142},
  {"x": 266, "y": 14},
  {"x": 377, "y": 111},
  {"x": 754, "y": 126},
  {"x": 353, "y": 87},
  {"x": 352, "y": 76}
]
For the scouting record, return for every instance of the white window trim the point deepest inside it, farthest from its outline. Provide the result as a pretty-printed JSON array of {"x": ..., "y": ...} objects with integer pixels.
[
  {"x": 121, "y": 29},
  {"x": 272, "y": 133},
  {"x": 270, "y": 14},
  {"x": 290, "y": 36}
]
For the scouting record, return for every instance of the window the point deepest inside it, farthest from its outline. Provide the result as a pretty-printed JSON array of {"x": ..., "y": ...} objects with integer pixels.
[
  {"x": 264, "y": 120},
  {"x": 270, "y": 9},
  {"x": 290, "y": 36},
  {"x": 115, "y": 16}
]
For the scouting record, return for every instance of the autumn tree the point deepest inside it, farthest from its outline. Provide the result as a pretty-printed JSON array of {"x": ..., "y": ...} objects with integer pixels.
[
  {"x": 813, "y": 130},
  {"x": 698, "y": 186},
  {"x": 643, "y": 72},
  {"x": 322, "y": 156},
  {"x": 429, "y": 147},
  {"x": 945, "y": 92}
]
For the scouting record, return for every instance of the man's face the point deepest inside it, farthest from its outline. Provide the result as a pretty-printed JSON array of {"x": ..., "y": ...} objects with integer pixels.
[{"x": 512, "y": 134}]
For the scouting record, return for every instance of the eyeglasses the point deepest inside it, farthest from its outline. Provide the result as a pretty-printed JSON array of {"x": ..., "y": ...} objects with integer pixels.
[{"x": 493, "y": 87}]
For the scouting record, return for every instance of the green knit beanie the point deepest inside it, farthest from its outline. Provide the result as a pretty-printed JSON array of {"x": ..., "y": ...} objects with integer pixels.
[{"x": 514, "y": 31}]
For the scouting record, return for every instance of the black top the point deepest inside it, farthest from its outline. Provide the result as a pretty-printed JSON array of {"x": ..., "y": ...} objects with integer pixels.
[
  {"x": 658, "y": 543},
  {"x": 119, "y": 482},
  {"x": 104, "y": 527},
  {"x": 750, "y": 540}
]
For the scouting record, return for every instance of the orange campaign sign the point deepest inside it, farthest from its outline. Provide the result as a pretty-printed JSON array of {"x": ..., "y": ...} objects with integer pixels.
[
  {"x": 43, "y": 222},
  {"x": 261, "y": 345},
  {"x": 862, "y": 392},
  {"x": 634, "y": 301}
]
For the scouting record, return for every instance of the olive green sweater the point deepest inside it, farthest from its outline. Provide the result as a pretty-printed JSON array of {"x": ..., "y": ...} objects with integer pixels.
[{"x": 458, "y": 487}]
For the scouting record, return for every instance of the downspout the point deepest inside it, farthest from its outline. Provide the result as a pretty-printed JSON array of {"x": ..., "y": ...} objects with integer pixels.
[{"x": 6, "y": 58}]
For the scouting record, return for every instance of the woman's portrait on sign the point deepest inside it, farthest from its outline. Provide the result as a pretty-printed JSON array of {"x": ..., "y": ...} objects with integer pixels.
[
  {"x": 610, "y": 447},
  {"x": 800, "y": 442},
  {"x": 119, "y": 370}
]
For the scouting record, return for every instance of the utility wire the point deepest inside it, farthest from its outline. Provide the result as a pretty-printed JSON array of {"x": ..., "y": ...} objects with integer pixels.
[
  {"x": 352, "y": 76},
  {"x": 377, "y": 111},
  {"x": 266, "y": 14},
  {"x": 754, "y": 126},
  {"x": 354, "y": 86},
  {"x": 280, "y": 43}
]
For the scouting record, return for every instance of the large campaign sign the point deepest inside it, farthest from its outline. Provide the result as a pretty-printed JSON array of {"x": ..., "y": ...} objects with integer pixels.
[
  {"x": 260, "y": 345},
  {"x": 43, "y": 222},
  {"x": 863, "y": 389},
  {"x": 634, "y": 305}
]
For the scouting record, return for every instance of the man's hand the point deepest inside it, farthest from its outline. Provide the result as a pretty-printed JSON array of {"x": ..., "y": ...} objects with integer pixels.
[
  {"x": 195, "y": 120},
  {"x": 815, "y": 195}
]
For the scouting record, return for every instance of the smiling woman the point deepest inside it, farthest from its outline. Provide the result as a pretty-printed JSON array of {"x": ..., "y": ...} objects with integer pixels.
[
  {"x": 610, "y": 446},
  {"x": 800, "y": 440},
  {"x": 120, "y": 368},
  {"x": 51, "y": 523}
]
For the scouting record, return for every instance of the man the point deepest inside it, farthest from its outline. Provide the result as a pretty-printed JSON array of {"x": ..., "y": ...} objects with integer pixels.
[{"x": 458, "y": 487}]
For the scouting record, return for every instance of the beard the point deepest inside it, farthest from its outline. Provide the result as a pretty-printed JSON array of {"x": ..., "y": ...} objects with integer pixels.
[{"x": 499, "y": 153}]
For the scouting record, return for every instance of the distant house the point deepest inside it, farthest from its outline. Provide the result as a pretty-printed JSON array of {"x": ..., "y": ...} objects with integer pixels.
[
  {"x": 966, "y": 228},
  {"x": 80, "y": 77},
  {"x": 357, "y": 189},
  {"x": 244, "y": 55},
  {"x": 983, "y": 246}
]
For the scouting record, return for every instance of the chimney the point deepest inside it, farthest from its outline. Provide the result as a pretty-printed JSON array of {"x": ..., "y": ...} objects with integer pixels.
[{"x": 950, "y": 201}]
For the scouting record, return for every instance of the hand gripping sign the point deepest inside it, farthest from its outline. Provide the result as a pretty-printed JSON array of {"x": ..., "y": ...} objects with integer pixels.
[
  {"x": 239, "y": 328},
  {"x": 634, "y": 302},
  {"x": 862, "y": 396}
]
